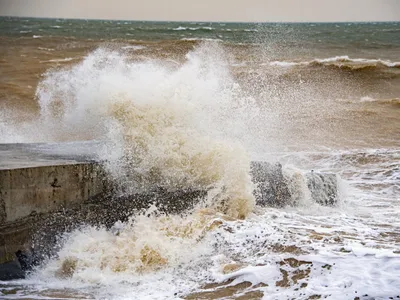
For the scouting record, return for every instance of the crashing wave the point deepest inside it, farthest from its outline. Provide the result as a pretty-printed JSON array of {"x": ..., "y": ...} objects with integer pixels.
[{"x": 167, "y": 126}]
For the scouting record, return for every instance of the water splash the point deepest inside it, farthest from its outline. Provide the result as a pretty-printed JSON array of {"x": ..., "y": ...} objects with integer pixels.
[{"x": 169, "y": 126}]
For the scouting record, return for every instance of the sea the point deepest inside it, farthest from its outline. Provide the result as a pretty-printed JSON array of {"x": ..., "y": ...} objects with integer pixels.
[{"x": 190, "y": 105}]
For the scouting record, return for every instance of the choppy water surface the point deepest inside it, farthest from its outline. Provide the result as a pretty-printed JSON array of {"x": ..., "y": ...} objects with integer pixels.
[{"x": 190, "y": 105}]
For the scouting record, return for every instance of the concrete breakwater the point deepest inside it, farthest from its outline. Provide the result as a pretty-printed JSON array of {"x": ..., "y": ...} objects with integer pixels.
[
  {"x": 36, "y": 181},
  {"x": 48, "y": 189}
]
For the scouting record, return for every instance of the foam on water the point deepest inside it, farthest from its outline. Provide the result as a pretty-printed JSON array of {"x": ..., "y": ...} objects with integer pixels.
[
  {"x": 170, "y": 257},
  {"x": 133, "y": 47}
]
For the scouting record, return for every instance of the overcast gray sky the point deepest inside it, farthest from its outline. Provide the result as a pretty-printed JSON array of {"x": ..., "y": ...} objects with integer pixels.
[{"x": 208, "y": 10}]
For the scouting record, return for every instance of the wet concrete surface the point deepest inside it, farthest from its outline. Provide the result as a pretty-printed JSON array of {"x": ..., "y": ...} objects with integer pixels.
[{"x": 16, "y": 156}]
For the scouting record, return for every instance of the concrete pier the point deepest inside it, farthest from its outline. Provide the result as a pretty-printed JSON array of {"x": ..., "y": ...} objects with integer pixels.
[{"x": 38, "y": 178}]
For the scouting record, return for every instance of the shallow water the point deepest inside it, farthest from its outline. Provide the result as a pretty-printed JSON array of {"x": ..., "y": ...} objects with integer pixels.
[{"x": 188, "y": 113}]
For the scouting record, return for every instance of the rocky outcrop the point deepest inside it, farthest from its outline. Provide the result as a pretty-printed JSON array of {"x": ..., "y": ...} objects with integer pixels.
[
  {"x": 323, "y": 187},
  {"x": 274, "y": 188},
  {"x": 271, "y": 186}
]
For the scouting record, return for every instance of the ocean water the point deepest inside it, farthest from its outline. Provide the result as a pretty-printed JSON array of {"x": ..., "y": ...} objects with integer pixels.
[{"x": 190, "y": 105}]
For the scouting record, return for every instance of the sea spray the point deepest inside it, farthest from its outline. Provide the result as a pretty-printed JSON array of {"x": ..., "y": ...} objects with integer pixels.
[{"x": 167, "y": 126}]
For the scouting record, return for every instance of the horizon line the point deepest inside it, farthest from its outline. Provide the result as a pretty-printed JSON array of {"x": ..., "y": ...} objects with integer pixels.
[{"x": 186, "y": 21}]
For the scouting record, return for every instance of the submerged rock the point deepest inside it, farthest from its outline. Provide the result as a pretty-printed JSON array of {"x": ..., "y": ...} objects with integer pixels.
[
  {"x": 323, "y": 187},
  {"x": 271, "y": 186}
]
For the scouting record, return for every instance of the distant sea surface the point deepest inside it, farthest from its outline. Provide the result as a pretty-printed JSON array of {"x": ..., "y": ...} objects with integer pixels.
[{"x": 190, "y": 104}]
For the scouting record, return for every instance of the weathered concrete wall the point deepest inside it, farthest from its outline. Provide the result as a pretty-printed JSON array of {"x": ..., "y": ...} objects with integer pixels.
[
  {"x": 29, "y": 194},
  {"x": 43, "y": 189}
]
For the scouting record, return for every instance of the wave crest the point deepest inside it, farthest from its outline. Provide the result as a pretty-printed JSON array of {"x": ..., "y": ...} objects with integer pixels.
[
  {"x": 342, "y": 62},
  {"x": 204, "y": 28}
]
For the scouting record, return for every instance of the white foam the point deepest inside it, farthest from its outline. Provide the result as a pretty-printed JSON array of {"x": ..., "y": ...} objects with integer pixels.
[
  {"x": 179, "y": 28},
  {"x": 58, "y": 60},
  {"x": 133, "y": 47},
  {"x": 367, "y": 99},
  {"x": 201, "y": 39},
  {"x": 283, "y": 63},
  {"x": 46, "y": 49}
]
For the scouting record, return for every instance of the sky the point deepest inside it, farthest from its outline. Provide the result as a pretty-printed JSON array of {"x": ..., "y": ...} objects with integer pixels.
[{"x": 208, "y": 10}]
